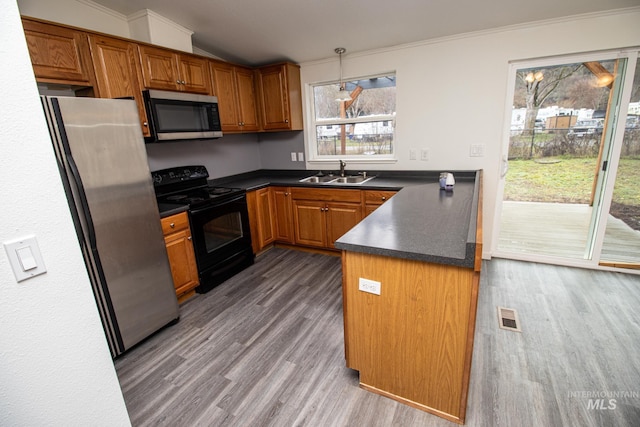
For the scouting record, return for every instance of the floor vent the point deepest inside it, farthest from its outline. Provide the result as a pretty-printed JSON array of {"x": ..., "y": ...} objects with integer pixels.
[{"x": 508, "y": 319}]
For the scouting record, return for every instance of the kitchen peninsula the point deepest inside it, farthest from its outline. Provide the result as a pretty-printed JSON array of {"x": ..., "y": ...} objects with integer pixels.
[
  {"x": 409, "y": 325},
  {"x": 410, "y": 285}
]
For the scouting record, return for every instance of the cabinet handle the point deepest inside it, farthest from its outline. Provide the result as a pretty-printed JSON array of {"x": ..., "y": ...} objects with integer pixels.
[
  {"x": 286, "y": 194},
  {"x": 384, "y": 198},
  {"x": 189, "y": 238},
  {"x": 183, "y": 82},
  {"x": 172, "y": 225},
  {"x": 145, "y": 124},
  {"x": 177, "y": 82},
  {"x": 286, "y": 120}
]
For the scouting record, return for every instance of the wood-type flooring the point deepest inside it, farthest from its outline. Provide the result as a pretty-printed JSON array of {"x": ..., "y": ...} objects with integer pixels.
[{"x": 265, "y": 348}]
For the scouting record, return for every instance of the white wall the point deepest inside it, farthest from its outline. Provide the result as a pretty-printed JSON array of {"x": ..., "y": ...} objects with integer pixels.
[
  {"x": 438, "y": 79},
  {"x": 55, "y": 365}
]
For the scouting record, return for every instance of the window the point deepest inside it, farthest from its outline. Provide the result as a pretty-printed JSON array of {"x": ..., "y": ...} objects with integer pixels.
[{"x": 361, "y": 128}]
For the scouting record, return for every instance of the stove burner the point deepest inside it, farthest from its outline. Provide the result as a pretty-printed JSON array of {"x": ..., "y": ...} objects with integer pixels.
[{"x": 177, "y": 198}]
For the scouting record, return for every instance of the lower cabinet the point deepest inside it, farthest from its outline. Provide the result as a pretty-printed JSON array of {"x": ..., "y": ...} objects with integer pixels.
[
  {"x": 260, "y": 205},
  {"x": 321, "y": 216},
  {"x": 374, "y": 198},
  {"x": 182, "y": 259},
  {"x": 282, "y": 214},
  {"x": 313, "y": 217}
]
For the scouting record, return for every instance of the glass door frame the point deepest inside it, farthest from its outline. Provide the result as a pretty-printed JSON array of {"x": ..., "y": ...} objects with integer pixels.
[{"x": 609, "y": 178}]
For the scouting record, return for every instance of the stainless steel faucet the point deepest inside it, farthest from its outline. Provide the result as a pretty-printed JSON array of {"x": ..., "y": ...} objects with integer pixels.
[{"x": 342, "y": 165}]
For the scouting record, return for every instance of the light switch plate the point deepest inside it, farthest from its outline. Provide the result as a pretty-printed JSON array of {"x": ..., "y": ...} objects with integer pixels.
[
  {"x": 25, "y": 258},
  {"x": 300, "y": 156},
  {"x": 293, "y": 156},
  {"x": 370, "y": 286}
]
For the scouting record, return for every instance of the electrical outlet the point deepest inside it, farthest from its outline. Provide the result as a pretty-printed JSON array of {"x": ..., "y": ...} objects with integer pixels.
[
  {"x": 300, "y": 156},
  {"x": 370, "y": 286},
  {"x": 476, "y": 150},
  {"x": 412, "y": 154},
  {"x": 424, "y": 154},
  {"x": 293, "y": 156}
]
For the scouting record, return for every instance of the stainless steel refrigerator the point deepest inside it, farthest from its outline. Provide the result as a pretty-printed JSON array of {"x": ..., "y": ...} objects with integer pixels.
[{"x": 103, "y": 163}]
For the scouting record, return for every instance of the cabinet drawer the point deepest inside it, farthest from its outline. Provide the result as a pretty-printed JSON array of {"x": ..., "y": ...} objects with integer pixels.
[
  {"x": 374, "y": 197},
  {"x": 174, "y": 223},
  {"x": 326, "y": 194}
]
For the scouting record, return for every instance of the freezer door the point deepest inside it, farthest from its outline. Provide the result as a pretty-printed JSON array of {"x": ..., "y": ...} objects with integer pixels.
[{"x": 104, "y": 148}]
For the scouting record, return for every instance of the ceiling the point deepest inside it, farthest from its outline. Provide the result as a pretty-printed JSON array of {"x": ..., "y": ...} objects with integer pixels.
[{"x": 255, "y": 32}]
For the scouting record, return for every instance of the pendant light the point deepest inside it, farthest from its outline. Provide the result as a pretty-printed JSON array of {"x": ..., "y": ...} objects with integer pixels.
[{"x": 343, "y": 95}]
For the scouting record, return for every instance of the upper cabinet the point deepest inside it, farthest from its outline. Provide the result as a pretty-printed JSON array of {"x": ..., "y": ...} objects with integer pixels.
[
  {"x": 58, "y": 54},
  {"x": 268, "y": 98},
  {"x": 235, "y": 88},
  {"x": 115, "y": 63},
  {"x": 280, "y": 97},
  {"x": 167, "y": 70}
]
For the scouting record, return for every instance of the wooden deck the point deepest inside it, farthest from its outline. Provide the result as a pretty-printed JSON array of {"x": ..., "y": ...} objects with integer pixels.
[{"x": 561, "y": 230}]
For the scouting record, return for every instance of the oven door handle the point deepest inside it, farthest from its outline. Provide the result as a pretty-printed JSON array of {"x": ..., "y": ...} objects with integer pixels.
[{"x": 215, "y": 205}]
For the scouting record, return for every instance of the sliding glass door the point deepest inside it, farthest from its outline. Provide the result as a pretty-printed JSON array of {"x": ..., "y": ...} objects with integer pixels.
[{"x": 566, "y": 128}]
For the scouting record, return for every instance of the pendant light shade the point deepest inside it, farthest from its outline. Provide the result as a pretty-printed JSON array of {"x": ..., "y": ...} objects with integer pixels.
[{"x": 343, "y": 94}]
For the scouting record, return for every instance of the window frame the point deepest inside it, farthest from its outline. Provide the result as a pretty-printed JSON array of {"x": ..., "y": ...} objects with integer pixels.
[{"x": 311, "y": 143}]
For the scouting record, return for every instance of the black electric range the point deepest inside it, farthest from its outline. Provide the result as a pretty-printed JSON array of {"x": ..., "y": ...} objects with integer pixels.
[{"x": 219, "y": 221}]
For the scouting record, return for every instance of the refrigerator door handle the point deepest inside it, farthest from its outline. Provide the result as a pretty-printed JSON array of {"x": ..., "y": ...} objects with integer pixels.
[{"x": 75, "y": 175}]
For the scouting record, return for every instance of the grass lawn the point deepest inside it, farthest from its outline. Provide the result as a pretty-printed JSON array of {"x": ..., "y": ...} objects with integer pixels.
[{"x": 569, "y": 180}]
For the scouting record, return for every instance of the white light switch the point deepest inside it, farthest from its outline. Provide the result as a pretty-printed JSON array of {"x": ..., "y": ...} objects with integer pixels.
[
  {"x": 300, "y": 156},
  {"x": 25, "y": 257},
  {"x": 293, "y": 156}
]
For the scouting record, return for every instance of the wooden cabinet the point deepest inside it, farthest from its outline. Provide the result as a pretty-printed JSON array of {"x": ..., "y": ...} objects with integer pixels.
[
  {"x": 58, "y": 54},
  {"x": 280, "y": 97},
  {"x": 321, "y": 216},
  {"x": 372, "y": 199},
  {"x": 168, "y": 70},
  {"x": 115, "y": 62},
  {"x": 282, "y": 214},
  {"x": 260, "y": 205},
  {"x": 235, "y": 88},
  {"x": 427, "y": 315},
  {"x": 182, "y": 259}
]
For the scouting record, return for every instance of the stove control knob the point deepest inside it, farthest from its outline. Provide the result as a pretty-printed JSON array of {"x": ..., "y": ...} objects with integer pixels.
[{"x": 157, "y": 179}]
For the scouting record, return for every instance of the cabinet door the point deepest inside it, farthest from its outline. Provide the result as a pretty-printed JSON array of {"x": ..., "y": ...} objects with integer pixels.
[
  {"x": 283, "y": 214},
  {"x": 280, "y": 97},
  {"x": 117, "y": 74},
  {"x": 159, "y": 68},
  {"x": 260, "y": 206},
  {"x": 182, "y": 261},
  {"x": 341, "y": 217},
  {"x": 194, "y": 75},
  {"x": 246, "y": 96},
  {"x": 309, "y": 223},
  {"x": 224, "y": 88},
  {"x": 58, "y": 55}
]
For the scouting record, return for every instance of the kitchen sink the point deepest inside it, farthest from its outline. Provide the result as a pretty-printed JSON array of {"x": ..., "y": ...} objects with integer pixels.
[
  {"x": 333, "y": 179},
  {"x": 354, "y": 179},
  {"x": 318, "y": 179}
]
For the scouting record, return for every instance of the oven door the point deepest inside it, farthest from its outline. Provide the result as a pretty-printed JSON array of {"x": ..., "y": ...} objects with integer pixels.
[{"x": 222, "y": 240}]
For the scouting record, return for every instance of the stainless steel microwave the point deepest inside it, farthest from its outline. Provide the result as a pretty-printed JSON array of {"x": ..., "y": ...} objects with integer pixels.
[{"x": 175, "y": 116}]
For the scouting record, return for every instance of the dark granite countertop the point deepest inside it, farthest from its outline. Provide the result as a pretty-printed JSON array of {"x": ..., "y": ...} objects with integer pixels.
[
  {"x": 421, "y": 222},
  {"x": 168, "y": 209}
]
